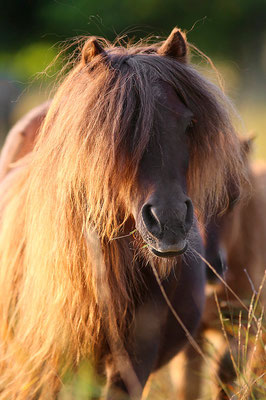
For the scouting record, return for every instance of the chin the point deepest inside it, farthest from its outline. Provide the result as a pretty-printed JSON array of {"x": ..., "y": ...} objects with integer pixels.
[{"x": 168, "y": 254}]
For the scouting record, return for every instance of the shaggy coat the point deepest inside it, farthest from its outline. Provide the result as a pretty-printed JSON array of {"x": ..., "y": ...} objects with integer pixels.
[{"x": 69, "y": 289}]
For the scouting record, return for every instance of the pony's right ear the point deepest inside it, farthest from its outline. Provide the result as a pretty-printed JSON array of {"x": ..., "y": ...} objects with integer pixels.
[
  {"x": 91, "y": 49},
  {"x": 175, "y": 46},
  {"x": 247, "y": 144}
]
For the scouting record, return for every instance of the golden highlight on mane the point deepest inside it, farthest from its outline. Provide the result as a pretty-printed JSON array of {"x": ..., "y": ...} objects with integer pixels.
[{"x": 77, "y": 183}]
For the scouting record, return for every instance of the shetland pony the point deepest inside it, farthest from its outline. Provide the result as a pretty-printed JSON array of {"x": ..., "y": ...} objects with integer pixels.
[
  {"x": 235, "y": 247},
  {"x": 103, "y": 204}
]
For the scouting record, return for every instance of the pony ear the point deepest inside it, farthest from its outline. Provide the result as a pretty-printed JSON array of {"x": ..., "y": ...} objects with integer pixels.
[
  {"x": 175, "y": 46},
  {"x": 91, "y": 49},
  {"x": 247, "y": 144}
]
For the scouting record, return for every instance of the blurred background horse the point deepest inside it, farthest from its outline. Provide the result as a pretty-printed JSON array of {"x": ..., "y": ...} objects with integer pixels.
[{"x": 235, "y": 246}]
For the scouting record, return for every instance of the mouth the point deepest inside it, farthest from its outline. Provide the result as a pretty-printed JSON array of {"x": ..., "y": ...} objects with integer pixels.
[{"x": 167, "y": 254}]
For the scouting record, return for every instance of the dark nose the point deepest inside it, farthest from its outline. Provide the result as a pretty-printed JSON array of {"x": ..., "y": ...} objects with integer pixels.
[{"x": 173, "y": 223}]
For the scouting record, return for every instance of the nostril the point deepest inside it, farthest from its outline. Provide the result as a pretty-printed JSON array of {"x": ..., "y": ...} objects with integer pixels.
[
  {"x": 189, "y": 214},
  {"x": 151, "y": 220}
]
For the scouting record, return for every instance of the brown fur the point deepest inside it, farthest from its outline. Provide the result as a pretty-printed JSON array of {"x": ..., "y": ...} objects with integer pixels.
[
  {"x": 243, "y": 237},
  {"x": 77, "y": 180}
]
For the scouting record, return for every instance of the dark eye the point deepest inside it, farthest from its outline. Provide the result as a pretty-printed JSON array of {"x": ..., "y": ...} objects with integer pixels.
[{"x": 191, "y": 124}]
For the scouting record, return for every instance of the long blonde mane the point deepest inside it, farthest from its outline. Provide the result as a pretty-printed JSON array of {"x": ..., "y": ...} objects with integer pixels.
[{"x": 78, "y": 182}]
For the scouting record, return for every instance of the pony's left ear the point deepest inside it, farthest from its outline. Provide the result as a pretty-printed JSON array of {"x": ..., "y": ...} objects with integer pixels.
[{"x": 175, "y": 46}]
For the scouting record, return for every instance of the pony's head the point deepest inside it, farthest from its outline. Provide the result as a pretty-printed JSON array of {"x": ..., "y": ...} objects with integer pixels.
[{"x": 146, "y": 136}]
